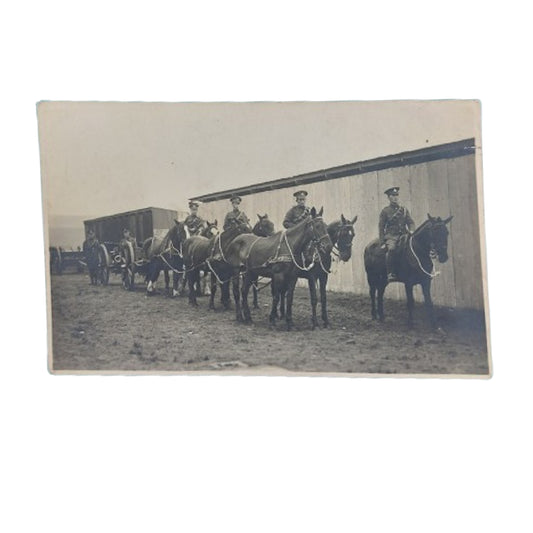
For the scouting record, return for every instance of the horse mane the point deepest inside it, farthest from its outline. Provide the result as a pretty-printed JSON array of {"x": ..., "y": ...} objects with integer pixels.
[
  {"x": 421, "y": 228},
  {"x": 333, "y": 230}
]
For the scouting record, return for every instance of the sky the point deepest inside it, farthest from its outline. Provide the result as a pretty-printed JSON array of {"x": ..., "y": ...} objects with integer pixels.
[{"x": 101, "y": 158}]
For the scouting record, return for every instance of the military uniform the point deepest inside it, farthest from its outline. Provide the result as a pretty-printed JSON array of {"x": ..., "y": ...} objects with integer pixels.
[
  {"x": 90, "y": 251},
  {"x": 394, "y": 221},
  {"x": 237, "y": 216},
  {"x": 294, "y": 215},
  {"x": 195, "y": 224}
]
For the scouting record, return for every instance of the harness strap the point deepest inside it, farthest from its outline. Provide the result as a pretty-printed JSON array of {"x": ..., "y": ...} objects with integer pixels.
[{"x": 430, "y": 274}]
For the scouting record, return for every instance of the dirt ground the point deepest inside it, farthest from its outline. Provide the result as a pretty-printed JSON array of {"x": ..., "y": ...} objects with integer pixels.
[{"x": 111, "y": 329}]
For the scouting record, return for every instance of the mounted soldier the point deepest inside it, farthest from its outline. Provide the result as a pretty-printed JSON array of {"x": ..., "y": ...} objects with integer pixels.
[
  {"x": 297, "y": 212},
  {"x": 394, "y": 221},
  {"x": 236, "y": 215},
  {"x": 194, "y": 223}
]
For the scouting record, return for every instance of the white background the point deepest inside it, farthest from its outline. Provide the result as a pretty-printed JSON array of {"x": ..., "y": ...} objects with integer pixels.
[{"x": 103, "y": 454}]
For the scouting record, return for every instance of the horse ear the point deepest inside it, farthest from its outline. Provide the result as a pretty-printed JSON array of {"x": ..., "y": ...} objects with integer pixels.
[
  {"x": 354, "y": 220},
  {"x": 265, "y": 216},
  {"x": 343, "y": 220},
  {"x": 430, "y": 217},
  {"x": 449, "y": 219},
  {"x": 259, "y": 216},
  {"x": 321, "y": 211},
  {"x": 215, "y": 223},
  {"x": 313, "y": 212}
]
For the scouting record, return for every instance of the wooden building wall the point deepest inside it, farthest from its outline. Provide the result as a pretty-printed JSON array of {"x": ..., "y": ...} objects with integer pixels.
[{"x": 440, "y": 187}]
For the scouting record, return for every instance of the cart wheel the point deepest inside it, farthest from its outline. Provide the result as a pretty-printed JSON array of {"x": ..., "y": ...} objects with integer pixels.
[
  {"x": 56, "y": 263},
  {"x": 103, "y": 265}
]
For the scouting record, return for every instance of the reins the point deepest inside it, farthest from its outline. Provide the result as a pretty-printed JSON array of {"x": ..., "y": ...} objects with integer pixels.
[{"x": 430, "y": 274}]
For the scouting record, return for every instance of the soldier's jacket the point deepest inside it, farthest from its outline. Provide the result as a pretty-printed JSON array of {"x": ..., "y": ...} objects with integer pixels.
[
  {"x": 232, "y": 215},
  {"x": 394, "y": 221},
  {"x": 194, "y": 223},
  {"x": 90, "y": 249},
  {"x": 90, "y": 244},
  {"x": 294, "y": 215}
]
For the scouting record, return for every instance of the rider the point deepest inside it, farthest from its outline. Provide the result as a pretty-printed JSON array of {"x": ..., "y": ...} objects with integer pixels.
[
  {"x": 297, "y": 212},
  {"x": 194, "y": 223},
  {"x": 394, "y": 221},
  {"x": 236, "y": 214}
]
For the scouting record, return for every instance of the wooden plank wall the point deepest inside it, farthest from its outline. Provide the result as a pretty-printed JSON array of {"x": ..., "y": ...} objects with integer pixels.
[{"x": 441, "y": 188}]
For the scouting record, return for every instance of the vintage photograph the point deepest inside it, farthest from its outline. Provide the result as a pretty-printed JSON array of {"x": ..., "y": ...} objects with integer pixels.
[{"x": 267, "y": 238}]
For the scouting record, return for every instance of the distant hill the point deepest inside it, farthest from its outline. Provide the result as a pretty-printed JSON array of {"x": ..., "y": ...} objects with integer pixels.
[{"x": 66, "y": 231}]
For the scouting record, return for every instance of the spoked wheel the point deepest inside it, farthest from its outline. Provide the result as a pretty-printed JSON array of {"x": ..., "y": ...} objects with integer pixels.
[
  {"x": 128, "y": 267},
  {"x": 103, "y": 265},
  {"x": 56, "y": 261}
]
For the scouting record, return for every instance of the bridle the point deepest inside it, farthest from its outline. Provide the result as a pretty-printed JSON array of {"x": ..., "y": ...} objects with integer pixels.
[{"x": 432, "y": 250}]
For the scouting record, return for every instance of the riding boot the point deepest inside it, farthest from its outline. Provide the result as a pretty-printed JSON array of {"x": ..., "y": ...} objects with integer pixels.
[{"x": 389, "y": 260}]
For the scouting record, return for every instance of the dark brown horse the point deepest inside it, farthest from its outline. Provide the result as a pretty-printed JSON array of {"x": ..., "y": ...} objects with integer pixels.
[
  {"x": 165, "y": 255},
  {"x": 263, "y": 228},
  {"x": 207, "y": 255},
  {"x": 277, "y": 257},
  {"x": 198, "y": 276},
  {"x": 341, "y": 233},
  {"x": 414, "y": 265}
]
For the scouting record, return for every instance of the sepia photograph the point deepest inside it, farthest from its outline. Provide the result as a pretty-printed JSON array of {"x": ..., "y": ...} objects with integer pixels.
[{"x": 265, "y": 238}]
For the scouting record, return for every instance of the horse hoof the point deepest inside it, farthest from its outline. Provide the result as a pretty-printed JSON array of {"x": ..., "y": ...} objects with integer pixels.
[{"x": 326, "y": 325}]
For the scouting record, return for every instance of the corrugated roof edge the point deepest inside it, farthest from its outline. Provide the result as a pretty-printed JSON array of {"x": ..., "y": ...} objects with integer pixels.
[
  {"x": 422, "y": 155},
  {"x": 133, "y": 211}
]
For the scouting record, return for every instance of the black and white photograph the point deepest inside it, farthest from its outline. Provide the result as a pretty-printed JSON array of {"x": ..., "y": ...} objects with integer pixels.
[{"x": 267, "y": 238}]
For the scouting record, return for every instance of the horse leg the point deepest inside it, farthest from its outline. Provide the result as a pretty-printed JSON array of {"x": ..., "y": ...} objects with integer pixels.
[
  {"x": 244, "y": 294},
  {"x": 381, "y": 292},
  {"x": 167, "y": 281},
  {"x": 314, "y": 300},
  {"x": 224, "y": 291},
  {"x": 175, "y": 283},
  {"x": 372, "y": 292},
  {"x": 237, "y": 295},
  {"x": 323, "y": 299},
  {"x": 191, "y": 278},
  {"x": 410, "y": 303},
  {"x": 428, "y": 303},
  {"x": 254, "y": 290},
  {"x": 275, "y": 300},
  {"x": 291, "y": 284},
  {"x": 282, "y": 293},
  {"x": 213, "y": 283}
]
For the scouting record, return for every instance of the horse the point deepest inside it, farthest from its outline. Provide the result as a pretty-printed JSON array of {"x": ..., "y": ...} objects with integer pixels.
[
  {"x": 414, "y": 265},
  {"x": 275, "y": 257},
  {"x": 208, "y": 231},
  {"x": 207, "y": 254},
  {"x": 165, "y": 254},
  {"x": 341, "y": 233},
  {"x": 263, "y": 228}
]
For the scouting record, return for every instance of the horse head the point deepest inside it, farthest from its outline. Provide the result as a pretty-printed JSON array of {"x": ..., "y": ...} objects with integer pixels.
[
  {"x": 318, "y": 231},
  {"x": 178, "y": 234},
  {"x": 263, "y": 227},
  {"x": 342, "y": 234},
  {"x": 437, "y": 237},
  {"x": 210, "y": 230}
]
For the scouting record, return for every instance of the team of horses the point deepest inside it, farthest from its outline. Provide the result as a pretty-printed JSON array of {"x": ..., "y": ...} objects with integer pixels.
[{"x": 240, "y": 255}]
